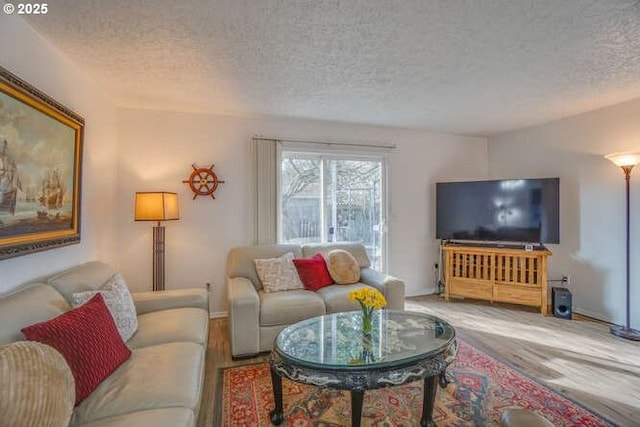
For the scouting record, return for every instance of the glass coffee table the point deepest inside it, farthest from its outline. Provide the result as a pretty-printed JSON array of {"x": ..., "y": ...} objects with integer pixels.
[{"x": 332, "y": 351}]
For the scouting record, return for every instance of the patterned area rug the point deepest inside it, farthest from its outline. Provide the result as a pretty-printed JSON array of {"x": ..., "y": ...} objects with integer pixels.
[{"x": 481, "y": 389}]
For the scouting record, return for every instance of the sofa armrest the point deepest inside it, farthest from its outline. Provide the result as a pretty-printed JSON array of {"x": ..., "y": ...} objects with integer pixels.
[
  {"x": 147, "y": 302},
  {"x": 391, "y": 287},
  {"x": 244, "y": 316}
]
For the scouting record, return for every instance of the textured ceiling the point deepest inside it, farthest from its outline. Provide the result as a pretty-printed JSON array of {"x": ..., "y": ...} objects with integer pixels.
[{"x": 475, "y": 67}]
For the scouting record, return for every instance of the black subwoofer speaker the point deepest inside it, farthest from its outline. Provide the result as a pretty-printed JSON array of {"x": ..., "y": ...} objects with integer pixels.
[{"x": 561, "y": 301}]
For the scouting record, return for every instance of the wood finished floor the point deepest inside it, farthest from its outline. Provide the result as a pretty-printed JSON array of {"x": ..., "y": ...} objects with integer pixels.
[{"x": 578, "y": 358}]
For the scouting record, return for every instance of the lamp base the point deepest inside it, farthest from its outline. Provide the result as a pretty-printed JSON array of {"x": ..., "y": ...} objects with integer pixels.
[
  {"x": 626, "y": 333},
  {"x": 158, "y": 258}
]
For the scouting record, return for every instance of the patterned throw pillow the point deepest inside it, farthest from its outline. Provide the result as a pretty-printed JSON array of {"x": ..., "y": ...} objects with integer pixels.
[
  {"x": 37, "y": 386},
  {"x": 313, "y": 272},
  {"x": 118, "y": 299},
  {"x": 278, "y": 274},
  {"x": 88, "y": 340},
  {"x": 343, "y": 267}
]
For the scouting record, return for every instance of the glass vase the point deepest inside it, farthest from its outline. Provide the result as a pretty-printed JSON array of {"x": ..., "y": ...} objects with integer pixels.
[{"x": 367, "y": 320}]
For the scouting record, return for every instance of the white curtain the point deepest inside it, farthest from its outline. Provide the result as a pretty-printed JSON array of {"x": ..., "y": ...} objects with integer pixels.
[{"x": 266, "y": 191}]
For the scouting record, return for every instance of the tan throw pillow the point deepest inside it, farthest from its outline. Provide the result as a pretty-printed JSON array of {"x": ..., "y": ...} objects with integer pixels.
[
  {"x": 119, "y": 302},
  {"x": 37, "y": 386},
  {"x": 343, "y": 267},
  {"x": 278, "y": 274}
]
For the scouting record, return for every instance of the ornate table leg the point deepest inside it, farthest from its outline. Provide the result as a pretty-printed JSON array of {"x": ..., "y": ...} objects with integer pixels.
[
  {"x": 444, "y": 382},
  {"x": 276, "y": 382},
  {"x": 357, "y": 398},
  {"x": 428, "y": 401}
]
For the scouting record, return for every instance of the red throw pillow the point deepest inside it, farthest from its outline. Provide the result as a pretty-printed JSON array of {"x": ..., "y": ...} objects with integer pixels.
[
  {"x": 89, "y": 341},
  {"x": 313, "y": 272}
]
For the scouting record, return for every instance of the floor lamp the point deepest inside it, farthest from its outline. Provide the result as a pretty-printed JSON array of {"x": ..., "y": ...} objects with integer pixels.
[
  {"x": 157, "y": 206},
  {"x": 626, "y": 161}
]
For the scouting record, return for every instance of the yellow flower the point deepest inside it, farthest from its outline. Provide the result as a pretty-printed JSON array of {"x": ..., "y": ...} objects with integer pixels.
[{"x": 369, "y": 298}]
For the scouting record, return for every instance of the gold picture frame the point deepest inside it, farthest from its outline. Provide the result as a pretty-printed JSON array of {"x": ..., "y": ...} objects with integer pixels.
[{"x": 40, "y": 170}]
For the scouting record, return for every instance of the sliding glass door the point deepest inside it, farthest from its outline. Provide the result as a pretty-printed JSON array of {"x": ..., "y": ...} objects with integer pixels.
[{"x": 333, "y": 198}]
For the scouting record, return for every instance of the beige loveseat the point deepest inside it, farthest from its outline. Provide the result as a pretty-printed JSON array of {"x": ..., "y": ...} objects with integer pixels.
[
  {"x": 256, "y": 317},
  {"x": 161, "y": 383}
]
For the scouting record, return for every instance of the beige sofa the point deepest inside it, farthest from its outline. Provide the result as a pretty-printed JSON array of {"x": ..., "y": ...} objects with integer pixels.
[
  {"x": 161, "y": 383},
  {"x": 256, "y": 317}
]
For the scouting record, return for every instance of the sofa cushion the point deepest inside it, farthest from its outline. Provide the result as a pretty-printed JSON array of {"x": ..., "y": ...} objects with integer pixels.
[
  {"x": 119, "y": 302},
  {"x": 149, "y": 301},
  {"x": 283, "y": 308},
  {"x": 84, "y": 277},
  {"x": 89, "y": 341},
  {"x": 165, "y": 417},
  {"x": 343, "y": 267},
  {"x": 336, "y": 297},
  {"x": 240, "y": 260},
  {"x": 178, "y": 324},
  {"x": 278, "y": 274},
  {"x": 356, "y": 249},
  {"x": 37, "y": 303},
  {"x": 37, "y": 386},
  {"x": 159, "y": 376},
  {"x": 313, "y": 272}
]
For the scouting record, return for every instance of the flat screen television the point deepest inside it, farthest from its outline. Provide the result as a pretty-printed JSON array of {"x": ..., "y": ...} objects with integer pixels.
[{"x": 513, "y": 210}]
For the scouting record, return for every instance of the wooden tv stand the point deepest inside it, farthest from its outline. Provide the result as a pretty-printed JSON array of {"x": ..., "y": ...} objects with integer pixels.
[{"x": 503, "y": 274}]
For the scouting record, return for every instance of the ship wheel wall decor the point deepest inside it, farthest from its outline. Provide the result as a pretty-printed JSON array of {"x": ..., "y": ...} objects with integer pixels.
[{"x": 203, "y": 181}]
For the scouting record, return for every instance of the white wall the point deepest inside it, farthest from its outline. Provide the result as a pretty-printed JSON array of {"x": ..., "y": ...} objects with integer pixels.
[
  {"x": 155, "y": 153},
  {"x": 158, "y": 148},
  {"x": 592, "y": 228},
  {"x": 24, "y": 53}
]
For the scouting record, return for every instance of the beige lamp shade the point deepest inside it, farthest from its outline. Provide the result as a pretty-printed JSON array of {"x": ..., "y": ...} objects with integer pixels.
[
  {"x": 624, "y": 159},
  {"x": 156, "y": 206}
]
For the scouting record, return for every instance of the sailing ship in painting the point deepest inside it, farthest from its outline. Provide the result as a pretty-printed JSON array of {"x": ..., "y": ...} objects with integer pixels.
[
  {"x": 31, "y": 202},
  {"x": 9, "y": 181},
  {"x": 21, "y": 203},
  {"x": 52, "y": 192}
]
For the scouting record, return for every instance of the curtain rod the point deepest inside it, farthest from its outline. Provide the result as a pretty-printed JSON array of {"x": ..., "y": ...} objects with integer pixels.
[{"x": 328, "y": 143}]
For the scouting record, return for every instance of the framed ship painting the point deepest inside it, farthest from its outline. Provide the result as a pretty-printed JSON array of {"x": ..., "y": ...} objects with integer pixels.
[{"x": 40, "y": 170}]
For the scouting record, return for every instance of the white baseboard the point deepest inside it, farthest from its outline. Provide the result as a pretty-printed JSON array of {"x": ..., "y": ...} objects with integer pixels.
[
  {"x": 423, "y": 292},
  {"x": 593, "y": 314}
]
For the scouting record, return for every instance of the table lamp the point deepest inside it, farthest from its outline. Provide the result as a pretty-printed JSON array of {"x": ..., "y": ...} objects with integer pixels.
[{"x": 157, "y": 206}]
